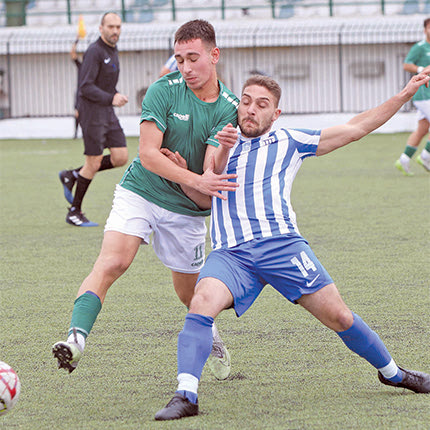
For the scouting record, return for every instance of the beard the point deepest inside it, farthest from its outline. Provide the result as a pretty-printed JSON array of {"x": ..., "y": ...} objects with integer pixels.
[
  {"x": 112, "y": 40},
  {"x": 251, "y": 128}
]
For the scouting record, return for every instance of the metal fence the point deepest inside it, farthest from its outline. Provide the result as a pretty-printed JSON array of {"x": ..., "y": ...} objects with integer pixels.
[
  {"x": 324, "y": 66},
  {"x": 49, "y": 12}
]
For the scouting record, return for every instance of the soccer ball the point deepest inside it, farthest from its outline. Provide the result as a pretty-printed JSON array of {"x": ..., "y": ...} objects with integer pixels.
[{"x": 10, "y": 387}]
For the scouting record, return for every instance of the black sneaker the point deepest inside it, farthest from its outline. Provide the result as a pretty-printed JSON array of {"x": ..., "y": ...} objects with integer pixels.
[
  {"x": 178, "y": 407},
  {"x": 77, "y": 218},
  {"x": 413, "y": 380},
  {"x": 67, "y": 179}
]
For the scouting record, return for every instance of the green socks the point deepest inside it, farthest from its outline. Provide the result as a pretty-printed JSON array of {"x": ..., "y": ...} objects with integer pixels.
[
  {"x": 85, "y": 312},
  {"x": 410, "y": 151}
]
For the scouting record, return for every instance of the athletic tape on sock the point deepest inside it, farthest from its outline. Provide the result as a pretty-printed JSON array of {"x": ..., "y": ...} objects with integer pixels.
[
  {"x": 390, "y": 370},
  {"x": 187, "y": 382}
]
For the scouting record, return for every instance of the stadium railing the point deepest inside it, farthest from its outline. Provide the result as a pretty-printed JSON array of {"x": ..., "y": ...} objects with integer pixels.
[
  {"x": 49, "y": 12},
  {"x": 323, "y": 66}
]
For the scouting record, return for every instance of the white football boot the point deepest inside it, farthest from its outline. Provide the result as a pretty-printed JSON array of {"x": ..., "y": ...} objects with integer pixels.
[
  {"x": 67, "y": 353},
  {"x": 219, "y": 359}
]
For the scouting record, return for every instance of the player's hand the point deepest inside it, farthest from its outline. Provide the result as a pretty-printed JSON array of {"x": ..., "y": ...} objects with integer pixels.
[
  {"x": 426, "y": 71},
  {"x": 227, "y": 136},
  {"x": 211, "y": 184},
  {"x": 73, "y": 54},
  {"x": 119, "y": 100},
  {"x": 415, "y": 82},
  {"x": 175, "y": 157}
]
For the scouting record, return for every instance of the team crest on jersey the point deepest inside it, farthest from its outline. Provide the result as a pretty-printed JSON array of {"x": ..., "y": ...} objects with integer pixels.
[{"x": 246, "y": 146}]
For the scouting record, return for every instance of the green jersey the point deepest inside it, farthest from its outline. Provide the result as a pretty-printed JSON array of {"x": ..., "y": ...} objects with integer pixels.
[
  {"x": 188, "y": 124},
  {"x": 420, "y": 56}
]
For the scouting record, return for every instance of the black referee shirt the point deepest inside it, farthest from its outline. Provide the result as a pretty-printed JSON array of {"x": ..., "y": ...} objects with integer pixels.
[{"x": 98, "y": 75}]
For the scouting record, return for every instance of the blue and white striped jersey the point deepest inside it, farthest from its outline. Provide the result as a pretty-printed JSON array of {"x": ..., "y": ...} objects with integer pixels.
[
  {"x": 260, "y": 207},
  {"x": 171, "y": 63}
]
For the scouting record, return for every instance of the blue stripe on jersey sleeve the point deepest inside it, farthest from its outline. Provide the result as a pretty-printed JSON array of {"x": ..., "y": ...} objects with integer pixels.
[
  {"x": 309, "y": 131},
  {"x": 305, "y": 147}
]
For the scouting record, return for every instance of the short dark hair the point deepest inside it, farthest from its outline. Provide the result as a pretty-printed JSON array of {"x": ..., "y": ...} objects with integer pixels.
[
  {"x": 266, "y": 82},
  {"x": 426, "y": 22},
  {"x": 102, "y": 21},
  {"x": 196, "y": 29}
]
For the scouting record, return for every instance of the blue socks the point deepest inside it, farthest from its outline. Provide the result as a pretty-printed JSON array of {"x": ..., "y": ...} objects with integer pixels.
[
  {"x": 360, "y": 339},
  {"x": 194, "y": 347},
  {"x": 192, "y": 397}
]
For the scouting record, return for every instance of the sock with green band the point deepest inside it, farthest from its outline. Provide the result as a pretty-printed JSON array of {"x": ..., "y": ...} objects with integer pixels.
[
  {"x": 410, "y": 151},
  {"x": 425, "y": 153},
  {"x": 85, "y": 311}
]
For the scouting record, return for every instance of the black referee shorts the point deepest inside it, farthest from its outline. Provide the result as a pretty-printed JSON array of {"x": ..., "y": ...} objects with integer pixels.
[{"x": 100, "y": 129}]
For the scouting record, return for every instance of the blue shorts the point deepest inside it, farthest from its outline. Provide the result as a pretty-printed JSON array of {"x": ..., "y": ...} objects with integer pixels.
[{"x": 287, "y": 263}]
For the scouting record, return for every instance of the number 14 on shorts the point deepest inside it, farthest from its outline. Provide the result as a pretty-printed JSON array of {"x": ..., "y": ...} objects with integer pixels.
[{"x": 305, "y": 265}]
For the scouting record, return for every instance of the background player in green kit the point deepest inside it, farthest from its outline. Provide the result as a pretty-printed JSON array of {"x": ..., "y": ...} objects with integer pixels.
[
  {"x": 181, "y": 112},
  {"x": 417, "y": 61}
]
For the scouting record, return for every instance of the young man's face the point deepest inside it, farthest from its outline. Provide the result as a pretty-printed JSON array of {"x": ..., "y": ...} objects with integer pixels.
[
  {"x": 196, "y": 62},
  {"x": 257, "y": 111},
  {"x": 110, "y": 29}
]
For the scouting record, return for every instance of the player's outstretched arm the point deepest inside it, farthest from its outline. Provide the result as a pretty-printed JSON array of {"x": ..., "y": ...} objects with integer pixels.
[{"x": 368, "y": 121}]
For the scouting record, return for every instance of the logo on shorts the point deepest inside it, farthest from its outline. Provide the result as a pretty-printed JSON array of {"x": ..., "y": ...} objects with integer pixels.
[
  {"x": 106, "y": 60},
  {"x": 309, "y": 284},
  {"x": 198, "y": 255}
]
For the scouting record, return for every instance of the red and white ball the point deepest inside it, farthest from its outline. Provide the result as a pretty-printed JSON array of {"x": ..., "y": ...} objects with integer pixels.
[{"x": 10, "y": 387}]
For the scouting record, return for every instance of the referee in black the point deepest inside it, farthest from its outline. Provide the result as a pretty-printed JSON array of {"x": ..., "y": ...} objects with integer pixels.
[{"x": 97, "y": 95}]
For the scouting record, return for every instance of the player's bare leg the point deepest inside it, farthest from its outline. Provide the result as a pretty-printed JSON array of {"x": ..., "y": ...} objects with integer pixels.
[
  {"x": 117, "y": 253},
  {"x": 118, "y": 156}
]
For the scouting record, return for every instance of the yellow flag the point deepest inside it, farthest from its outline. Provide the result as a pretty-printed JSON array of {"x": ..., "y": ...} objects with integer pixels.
[{"x": 82, "y": 32}]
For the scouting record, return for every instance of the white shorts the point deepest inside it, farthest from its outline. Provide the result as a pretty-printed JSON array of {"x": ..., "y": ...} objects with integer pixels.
[
  {"x": 178, "y": 240},
  {"x": 423, "y": 109}
]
